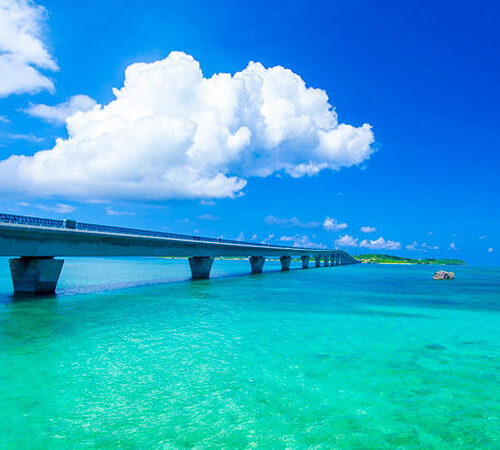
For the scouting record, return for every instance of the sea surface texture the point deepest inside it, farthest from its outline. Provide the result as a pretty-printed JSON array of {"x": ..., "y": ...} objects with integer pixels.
[{"x": 132, "y": 354}]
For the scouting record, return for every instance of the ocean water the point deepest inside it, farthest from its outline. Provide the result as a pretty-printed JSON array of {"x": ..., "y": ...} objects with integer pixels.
[{"x": 132, "y": 354}]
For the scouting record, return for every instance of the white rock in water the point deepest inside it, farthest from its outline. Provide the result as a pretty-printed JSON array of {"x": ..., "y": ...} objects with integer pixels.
[{"x": 443, "y": 275}]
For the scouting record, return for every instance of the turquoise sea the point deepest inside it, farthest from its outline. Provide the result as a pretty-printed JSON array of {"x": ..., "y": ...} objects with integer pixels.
[{"x": 131, "y": 354}]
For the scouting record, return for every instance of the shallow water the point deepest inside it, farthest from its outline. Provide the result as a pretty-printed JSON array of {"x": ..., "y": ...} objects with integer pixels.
[{"x": 131, "y": 354}]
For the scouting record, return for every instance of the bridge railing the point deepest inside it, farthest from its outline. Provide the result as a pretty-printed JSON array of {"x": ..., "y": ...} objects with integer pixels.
[
  {"x": 72, "y": 224},
  {"x": 28, "y": 220}
]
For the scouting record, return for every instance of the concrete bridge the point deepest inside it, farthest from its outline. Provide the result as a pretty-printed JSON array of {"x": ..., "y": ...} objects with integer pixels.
[{"x": 34, "y": 242}]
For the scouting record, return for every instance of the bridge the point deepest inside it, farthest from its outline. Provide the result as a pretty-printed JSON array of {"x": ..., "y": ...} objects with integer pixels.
[{"x": 34, "y": 243}]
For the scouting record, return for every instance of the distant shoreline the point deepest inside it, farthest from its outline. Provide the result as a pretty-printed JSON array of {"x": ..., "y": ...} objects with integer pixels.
[{"x": 391, "y": 259}]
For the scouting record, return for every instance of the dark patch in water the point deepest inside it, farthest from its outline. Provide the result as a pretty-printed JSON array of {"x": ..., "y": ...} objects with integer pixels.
[
  {"x": 323, "y": 356},
  {"x": 435, "y": 347}
]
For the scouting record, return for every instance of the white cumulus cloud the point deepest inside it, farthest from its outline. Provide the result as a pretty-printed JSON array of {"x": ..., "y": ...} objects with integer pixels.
[
  {"x": 368, "y": 229},
  {"x": 331, "y": 224},
  {"x": 346, "y": 241},
  {"x": 59, "y": 113},
  {"x": 380, "y": 244},
  {"x": 22, "y": 51},
  {"x": 490, "y": 250},
  {"x": 173, "y": 133},
  {"x": 453, "y": 246},
  {"x": 376, "y": 244}
]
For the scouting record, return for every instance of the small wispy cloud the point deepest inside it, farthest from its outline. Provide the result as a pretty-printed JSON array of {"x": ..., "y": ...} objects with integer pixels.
[
  {"x": 423, "y": 247},
  {"x": 453, "y": 246},
  {"x": 367, "y": 229},
  {"x": 113, "y": 212},
  {"x": 429, "y": 247},
  {"x": 269, "y": 238},
  {"x": 207, "y": 217},
  {"x": 59, "y": 208},
  {"x": 490, "y": 250},
  {"x": 184, "y": 221},
  {"x": 4, "y": 119},
  {"x": 207, "y": 202},
  {"x": 301, "y": 241},
  {"x": 289, "y": 222},
  {"x": 412, "y": 246},
  {"x": 25, "y": 137}
]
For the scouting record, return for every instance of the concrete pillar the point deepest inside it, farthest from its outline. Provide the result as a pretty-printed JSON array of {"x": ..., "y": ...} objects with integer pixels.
[
  {"x": 335, "y": 260},
  {"x": 257, "y": 263},
  {"x": 285, "y": 262},
  {"x": 326, "y": 259},
  {"x": 35, "y": 275},
  {"x": 305, "y": 261},
  {"x": 200, "y": 267},
  {"x": 317, "y": 259}
]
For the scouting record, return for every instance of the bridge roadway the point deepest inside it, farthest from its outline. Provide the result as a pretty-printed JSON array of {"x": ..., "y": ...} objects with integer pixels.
[{"x": 34, "y": 242}]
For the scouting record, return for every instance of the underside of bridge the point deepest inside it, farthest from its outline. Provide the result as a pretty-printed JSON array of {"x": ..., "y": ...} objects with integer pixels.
[{"x": 39, "y": 275}]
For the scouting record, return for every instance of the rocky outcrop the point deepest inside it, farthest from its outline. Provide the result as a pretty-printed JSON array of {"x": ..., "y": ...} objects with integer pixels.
[{"x": 443, "y": 275}]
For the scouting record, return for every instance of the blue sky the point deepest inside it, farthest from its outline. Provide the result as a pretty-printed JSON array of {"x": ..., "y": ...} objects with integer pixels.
[{"x": 424, "y": 75}]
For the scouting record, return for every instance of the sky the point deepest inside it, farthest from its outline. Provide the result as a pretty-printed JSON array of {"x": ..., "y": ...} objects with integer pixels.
[{"x": 369, "y": 126}]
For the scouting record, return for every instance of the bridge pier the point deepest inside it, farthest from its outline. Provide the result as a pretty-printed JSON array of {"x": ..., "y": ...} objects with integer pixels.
[
  {"x": 35, "y": 275},
  {"x": 305, "y": 261},
  {"x": 200, "y": 267},
  {"x": 317, "y": 260},
  {"x": 285, "y": 263},
  {"x": 326, "y": 260},
  {"x": 257, "y": 263}
]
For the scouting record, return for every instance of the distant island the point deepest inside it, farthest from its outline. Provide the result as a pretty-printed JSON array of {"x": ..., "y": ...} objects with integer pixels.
[{"x": 389, "y": 259}]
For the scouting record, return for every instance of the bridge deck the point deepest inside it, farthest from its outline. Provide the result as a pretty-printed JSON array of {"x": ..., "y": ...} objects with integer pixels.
[
  {"x": 37, "y": 241},
  {"x": 37, "y": 237}
]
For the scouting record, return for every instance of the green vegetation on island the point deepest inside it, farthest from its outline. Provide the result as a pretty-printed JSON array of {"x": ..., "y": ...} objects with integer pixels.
[{"x": 390, "y": 259}]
